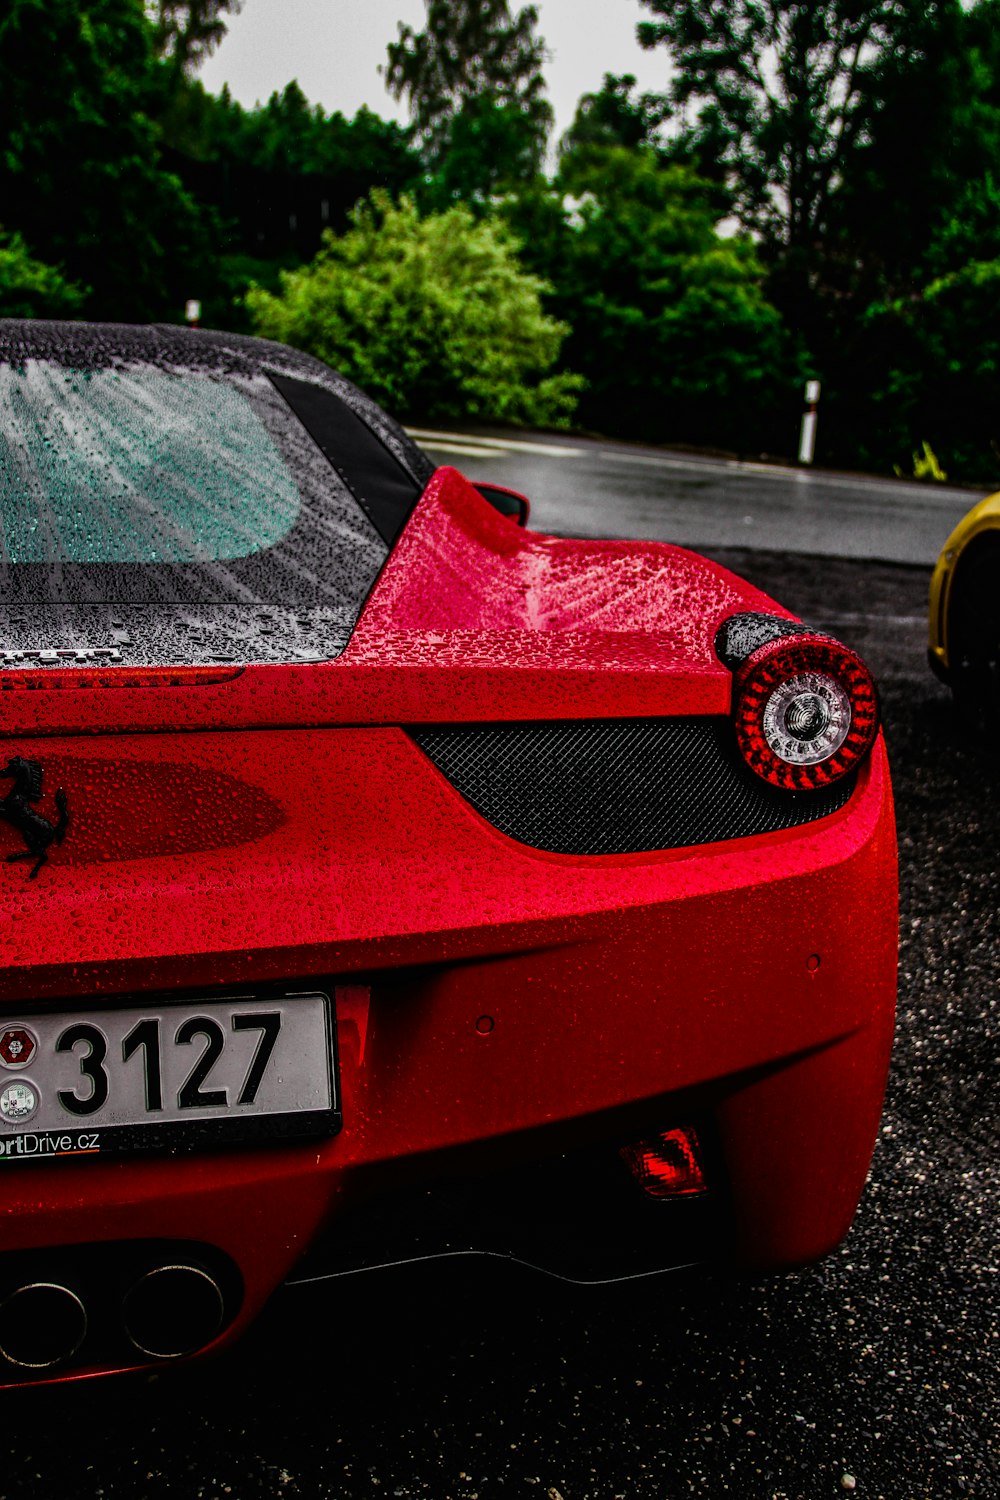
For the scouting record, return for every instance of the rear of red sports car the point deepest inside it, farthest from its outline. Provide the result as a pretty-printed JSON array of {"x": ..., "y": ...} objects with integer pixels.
[{"x": 383, "y": 880}]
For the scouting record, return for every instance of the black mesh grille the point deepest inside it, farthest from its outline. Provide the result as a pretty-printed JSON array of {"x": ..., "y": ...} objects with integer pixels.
[{"x": 617, "y": 786}]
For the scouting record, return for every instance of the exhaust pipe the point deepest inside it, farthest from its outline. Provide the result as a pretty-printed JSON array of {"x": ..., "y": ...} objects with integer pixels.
[
  {"x": 41, "y": 1324},
  {"x": 173, "y": 1310}
]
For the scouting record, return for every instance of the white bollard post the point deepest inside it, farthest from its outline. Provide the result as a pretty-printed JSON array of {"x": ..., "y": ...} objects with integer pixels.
[{"x": 807, "y": 437}]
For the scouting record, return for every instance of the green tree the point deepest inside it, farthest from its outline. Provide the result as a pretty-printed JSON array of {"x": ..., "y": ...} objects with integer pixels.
[
  {"x": 187, "y": 31},
  {"x": 472, "y": 51},
  {"x": 671, "y": 324},
  {"x": 780, "y": 94},
  {"x": 968, "y": 227},
  {"x": 617, "y": 116},
  {"x": 492, "y": 150},
  {"x": 277, "y": 175},
  {"x": 434, "y": 316},
  {"x": 288, "y": 136},
  {"x": 927, "y": 153},
  {"x": 80, "y": 154},
  {"x": 932, "y": 365},
  {"x": 918, "y": 209},
  {"x": 31, "y": 289},
  {"x": 292, "y": 136}
]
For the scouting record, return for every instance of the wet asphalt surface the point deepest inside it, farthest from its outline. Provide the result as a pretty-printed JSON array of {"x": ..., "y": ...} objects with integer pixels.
[
  {"x": 872, "y": 1373},
  {"x": 581, "y": 486}
]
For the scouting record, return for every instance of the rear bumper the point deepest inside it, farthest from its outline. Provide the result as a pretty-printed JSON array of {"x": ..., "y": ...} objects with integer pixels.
[
  {"x": 574, "y": 1214},
  {"x": 492, "y": 1064}
]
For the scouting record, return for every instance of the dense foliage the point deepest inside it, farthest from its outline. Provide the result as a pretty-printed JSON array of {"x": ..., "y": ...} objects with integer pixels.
[
  {"x": 277, "y": 176},
  {"x": 860, "y": 141},
  {"x": 815, "y": 191},
  {"x": 83, "y": 176},
  {"x": 433, "y": 316},
  {"x": 671, "y": 322},
  {"x": 779, "y": 94},
  {"x": 937, "y": 361},
  {"x": 615, "y": 115},
  {"x": 31, "y": 289}
]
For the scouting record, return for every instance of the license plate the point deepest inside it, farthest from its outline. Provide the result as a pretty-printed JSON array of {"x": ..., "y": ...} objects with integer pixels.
[{"x": 167, "y": 1077}]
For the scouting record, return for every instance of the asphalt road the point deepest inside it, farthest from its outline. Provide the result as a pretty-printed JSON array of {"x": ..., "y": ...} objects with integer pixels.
[
  {"x": 582, "y": 487},
  {"x": 872, "y": 1373}
]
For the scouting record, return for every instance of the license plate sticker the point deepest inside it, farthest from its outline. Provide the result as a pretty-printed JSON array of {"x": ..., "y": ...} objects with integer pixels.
[{"x": 167, "y": 1077}]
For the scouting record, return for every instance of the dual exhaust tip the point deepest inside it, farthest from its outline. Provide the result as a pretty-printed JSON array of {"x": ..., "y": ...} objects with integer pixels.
[{"x": 170, "y": 1311}]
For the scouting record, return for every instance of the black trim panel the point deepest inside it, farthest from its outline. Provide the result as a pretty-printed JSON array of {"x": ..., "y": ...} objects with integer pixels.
[
  {"x": 618, "y": 786},
  {"x": 375, "y": 477}
]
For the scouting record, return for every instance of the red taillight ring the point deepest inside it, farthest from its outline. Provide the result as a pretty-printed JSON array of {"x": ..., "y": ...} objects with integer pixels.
[{"x": 805, "y": 710}]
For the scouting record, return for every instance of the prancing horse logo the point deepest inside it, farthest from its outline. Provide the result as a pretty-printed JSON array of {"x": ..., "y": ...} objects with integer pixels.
[{"x": 17, "y": 810}]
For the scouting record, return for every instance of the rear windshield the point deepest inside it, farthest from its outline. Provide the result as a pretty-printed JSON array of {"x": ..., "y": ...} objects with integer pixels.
[
  {"x": 136, "y": 466},
  {"x": 175, "y": 515}
]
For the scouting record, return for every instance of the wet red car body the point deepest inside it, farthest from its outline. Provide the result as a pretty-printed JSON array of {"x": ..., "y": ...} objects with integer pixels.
[{"x": 511, "y": 1015}]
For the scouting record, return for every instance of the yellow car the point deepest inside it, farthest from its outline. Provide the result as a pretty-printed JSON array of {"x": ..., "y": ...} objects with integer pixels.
[{"x": 964, "y": 646}]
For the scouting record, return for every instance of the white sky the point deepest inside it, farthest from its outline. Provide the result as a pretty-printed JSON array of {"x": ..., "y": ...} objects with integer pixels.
[{"x": 334, "y": 48}]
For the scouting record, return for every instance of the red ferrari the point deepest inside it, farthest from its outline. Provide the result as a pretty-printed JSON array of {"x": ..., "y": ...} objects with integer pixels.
[{"x": 384, "y": 880}]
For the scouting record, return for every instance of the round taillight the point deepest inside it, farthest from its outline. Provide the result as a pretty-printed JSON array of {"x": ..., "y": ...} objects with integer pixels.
[{"x": 806, "y": 711}]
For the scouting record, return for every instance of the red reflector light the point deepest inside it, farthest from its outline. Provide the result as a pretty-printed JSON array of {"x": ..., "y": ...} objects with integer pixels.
[
  {"x": 49, "y": 678},
  {"x": 669, "y": 1165},
  {"x": 805, "y": 711}
]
